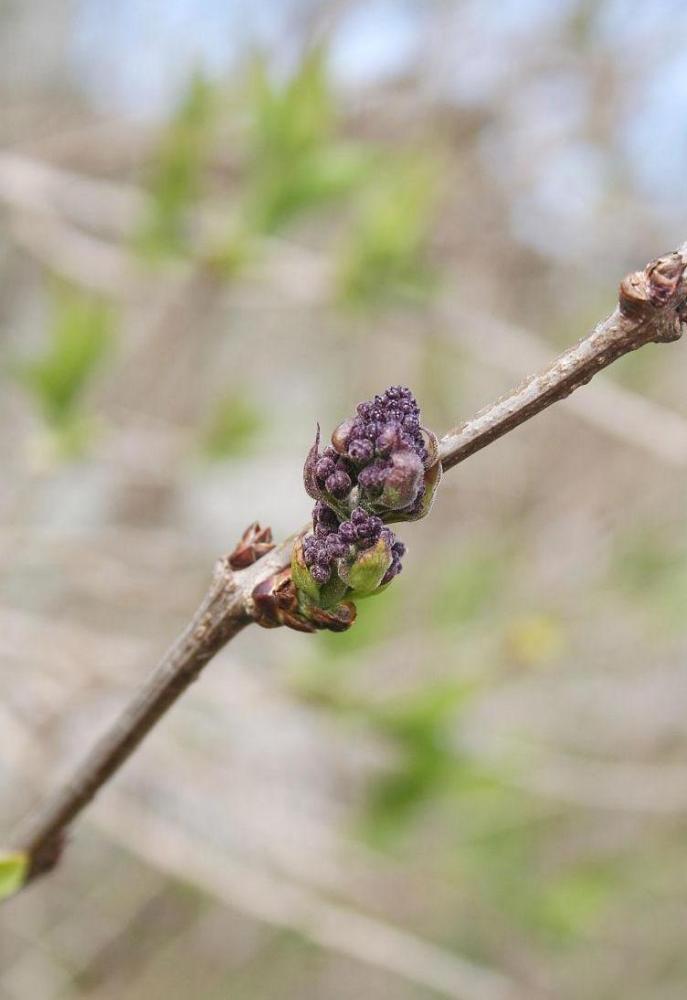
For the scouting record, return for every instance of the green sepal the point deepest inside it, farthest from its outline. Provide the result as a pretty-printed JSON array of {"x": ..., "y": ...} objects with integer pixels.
[
  {"x": 332, "y": 591},
  {"x": 301, "y": 574},
  {"x": 357, "y": 595},
  {"x": 366, "y": 572}
]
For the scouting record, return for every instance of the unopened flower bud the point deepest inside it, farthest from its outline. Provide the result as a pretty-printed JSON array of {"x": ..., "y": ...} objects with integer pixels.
[
  {"x": 403, "y": 480},
  {"x": 388, "y": 439},
  {"x": 320, "y": 573},
  {"x": 324, "y": 468},
  {"x": 347, "y": 531},
  {"x": 338, "y": 484},
  {"x": 361, "y": 450}
]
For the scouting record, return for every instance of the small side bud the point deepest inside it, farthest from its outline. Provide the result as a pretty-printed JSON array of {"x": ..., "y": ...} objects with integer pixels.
[{"x": 254, "y": 544}]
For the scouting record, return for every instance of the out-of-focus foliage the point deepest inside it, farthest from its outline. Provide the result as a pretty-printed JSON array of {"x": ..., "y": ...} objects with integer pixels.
[
  {"x": 386, "y": 253},
  {"x": 80, "y": 334},
  {"x": 175, "y": 182},
  {"x": 296, "y": 159},
  {"x": 12, "y": 873},
  {"x": 420, "y": 728},
  {"x": 650, "y": 565},
  {"x": 470, "y": 586},
  {"x": 233, "y": 428}
]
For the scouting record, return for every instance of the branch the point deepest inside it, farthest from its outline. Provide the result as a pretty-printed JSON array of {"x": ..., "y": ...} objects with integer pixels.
[
  {"x": 652, "y": 308},
  {"x": 610, "y": 407}
]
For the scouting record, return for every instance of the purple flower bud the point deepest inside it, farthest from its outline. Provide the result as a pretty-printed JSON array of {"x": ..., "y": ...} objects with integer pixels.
[
  {"x": 324, "y": 515},
  {"x": 361, "y": 450},
  {"x": 322, "y": 557},
  {"x": 388, "y": 439},
  {"x": 324, "y": 468},
  {"x": 359, "y": 515},
  {"x": 336, "y": 546},
  {"x": 347, "y": 531},
  {"x": 338, "y": 484},
  {"x": 372, "y": 477},
  {"x": 320, "y": 574}
]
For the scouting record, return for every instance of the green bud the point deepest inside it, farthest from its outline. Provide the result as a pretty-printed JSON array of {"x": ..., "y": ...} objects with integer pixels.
[{"x": 366, "y": 572}]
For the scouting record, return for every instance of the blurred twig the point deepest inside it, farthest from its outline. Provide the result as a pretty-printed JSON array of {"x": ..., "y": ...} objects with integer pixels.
[{"x": 279, "y": 901}]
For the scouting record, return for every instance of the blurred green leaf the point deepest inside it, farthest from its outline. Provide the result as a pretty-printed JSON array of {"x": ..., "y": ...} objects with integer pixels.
[
  {"x": 296, "y": 162},
  {"x": 386, "y": 256},
  {"x": 293, "y": 118},
  {"x": 13, "y": 867},
  {"x": 470, "y": 585},
  {"x": 176, "y": 171},
  {"x": 421, "y": 726},
  {"x": 650, "y": 565},
  {"x": 569, "y": 906},
  {"x": 78, "y": 340},
  {"x": 558, "y": 907},
  {"x": 232, "y": 428}
]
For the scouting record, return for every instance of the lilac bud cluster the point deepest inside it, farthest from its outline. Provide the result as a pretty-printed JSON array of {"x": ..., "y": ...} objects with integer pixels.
[
  {"x": 389, "y": 422},
  {"x": 382, "y": 451},
  {"x": 332, "y": 540},
  {"x": 384, "y": 442},
  {"x": 381, "y": 465}
]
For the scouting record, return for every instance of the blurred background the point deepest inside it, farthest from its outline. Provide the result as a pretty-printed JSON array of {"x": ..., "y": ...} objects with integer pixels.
[{"x": 221, "y": 222}]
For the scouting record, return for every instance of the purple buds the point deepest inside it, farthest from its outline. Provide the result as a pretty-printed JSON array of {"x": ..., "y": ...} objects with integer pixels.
[
  {"x": 382, "y": 465},
  {"x": 339, "y": 484}
]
